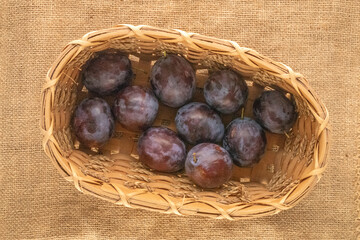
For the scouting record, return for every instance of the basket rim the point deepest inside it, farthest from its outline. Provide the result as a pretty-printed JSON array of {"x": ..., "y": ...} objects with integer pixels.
[{"x": 250, "y": 59}]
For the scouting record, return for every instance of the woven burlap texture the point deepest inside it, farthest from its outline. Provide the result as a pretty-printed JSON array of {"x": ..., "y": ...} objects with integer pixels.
[{"x": 320, "y": 39}]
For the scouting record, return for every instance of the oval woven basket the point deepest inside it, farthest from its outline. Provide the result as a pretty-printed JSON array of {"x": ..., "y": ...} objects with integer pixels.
[{"x": 289, "y": 169}]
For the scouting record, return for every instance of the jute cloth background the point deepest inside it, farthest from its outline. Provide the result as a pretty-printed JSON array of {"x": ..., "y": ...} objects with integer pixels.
[{"x": 319, "y": 39}]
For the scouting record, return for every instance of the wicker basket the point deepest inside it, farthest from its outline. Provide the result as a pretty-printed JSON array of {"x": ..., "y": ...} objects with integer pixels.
[{"x": 289, "y": 169}]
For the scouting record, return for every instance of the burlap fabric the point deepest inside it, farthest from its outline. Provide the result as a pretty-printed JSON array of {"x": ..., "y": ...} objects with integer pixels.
[{"x": 320, "y": 39}]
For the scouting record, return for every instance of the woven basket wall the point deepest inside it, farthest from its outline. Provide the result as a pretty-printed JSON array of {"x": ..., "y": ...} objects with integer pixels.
[{"x": 289, "y": 169}]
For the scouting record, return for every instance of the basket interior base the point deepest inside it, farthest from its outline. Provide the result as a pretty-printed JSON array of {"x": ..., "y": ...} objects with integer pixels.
[{"x": 124, "y": 142}]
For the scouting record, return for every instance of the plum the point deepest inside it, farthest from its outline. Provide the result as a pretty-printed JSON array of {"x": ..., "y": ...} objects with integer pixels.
[
  {"x": 161, "y": 149},
  {"x": 93, "y": 123},
  {"x": 275, "y": 112},
  {"x": 107, "y": 73},
  {"x": 173, "y": 80},
  {"x": 245, "y": 140},
  {"x": 197, "y": 122},
  {"x": 135, "y": 108},
  {"x": 226, "y": 91},
  {"x": 208, "y": 165}
]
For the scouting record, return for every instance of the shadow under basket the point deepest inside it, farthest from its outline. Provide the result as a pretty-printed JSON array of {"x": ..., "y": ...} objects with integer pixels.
[{"x": 290, "y": 168}]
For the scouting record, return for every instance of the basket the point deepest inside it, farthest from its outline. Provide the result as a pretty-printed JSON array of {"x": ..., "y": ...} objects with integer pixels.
[{"x": 290, "y": 168}]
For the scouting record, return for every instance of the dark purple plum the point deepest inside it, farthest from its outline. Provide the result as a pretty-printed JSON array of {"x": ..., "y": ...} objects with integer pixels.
[
  {"x": 135, "y": 108},
  {"x": 208, "y": 165},
  {"x": 93, "y": 123},
  {"x": 107, "y": 73},
  {"x": 173, "y": 80},
  {"x": 161, "y": 149},
  {"x": 226, "y": 91},
  {"x": 245, "y": 140},
  {"x": 274, "y": 111},
  {"x": 197, "y": 122}
]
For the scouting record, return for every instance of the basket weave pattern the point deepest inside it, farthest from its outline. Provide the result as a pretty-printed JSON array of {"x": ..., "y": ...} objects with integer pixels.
[{"x": 289, "y": 169}]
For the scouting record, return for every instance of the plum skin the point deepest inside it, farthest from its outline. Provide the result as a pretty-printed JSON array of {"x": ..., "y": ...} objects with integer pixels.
[
  {"x": 173, "y": 80},
  {"x": 197, "y": 122},
  {"x": 135, "y": 108},
  {"x": 208, "y": 165},
  {"x": 275, "y": 112},
  {"x": 161, "y": 149},
  {"x": 245, "y": 140},
  {"x": 107, "y": 73},
  {"x": 226, "y": 91},
  {"x": 93, "y": 123}
]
